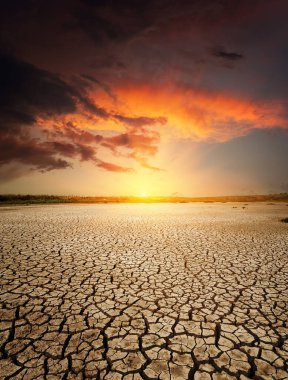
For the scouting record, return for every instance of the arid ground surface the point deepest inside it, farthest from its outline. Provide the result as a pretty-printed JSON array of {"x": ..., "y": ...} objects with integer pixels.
[{"x": 171, "y": 291}]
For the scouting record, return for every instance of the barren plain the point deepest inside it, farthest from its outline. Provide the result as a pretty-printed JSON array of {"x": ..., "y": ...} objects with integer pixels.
[{"x": 144, "y": 291}]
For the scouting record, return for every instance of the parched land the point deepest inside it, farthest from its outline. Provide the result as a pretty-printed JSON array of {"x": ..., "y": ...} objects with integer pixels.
[{"x": 144, "y": 291}]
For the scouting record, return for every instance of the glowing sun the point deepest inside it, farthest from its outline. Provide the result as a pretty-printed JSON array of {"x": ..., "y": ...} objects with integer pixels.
[{"x": 143, "y": 194}]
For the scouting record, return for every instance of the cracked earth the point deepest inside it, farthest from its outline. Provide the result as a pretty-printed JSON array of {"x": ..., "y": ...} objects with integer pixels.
[{"x": 171, "y": 291}]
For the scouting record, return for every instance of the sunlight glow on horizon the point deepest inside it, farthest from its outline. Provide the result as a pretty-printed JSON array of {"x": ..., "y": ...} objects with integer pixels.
[{"x": 143, "y": 194}]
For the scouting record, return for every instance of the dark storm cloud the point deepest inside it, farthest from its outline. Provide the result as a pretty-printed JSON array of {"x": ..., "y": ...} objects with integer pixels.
[
  {"x": 230, "y": 56},
  {"x": 116, "y": 41},
  {"x": 115, "y": 20},
  {"x": 160, "y": 41},
  {"x": 26, "y": 93},
  {"x": 49, "y": 155},
  {"x": 66, "y": 149},
  {"x": 121, "y": 21},
  {"x": 104, "y": 86},
  {"x": 31, "y": 152}
]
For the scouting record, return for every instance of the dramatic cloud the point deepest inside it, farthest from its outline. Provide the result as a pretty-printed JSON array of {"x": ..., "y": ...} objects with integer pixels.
[
  {"x": 112, "y": 167},
  {"x": 140, "y": 121},
  {"x": 225, "y": 58},
  {"x": 227, "y": 55},
  {"x": 205, "y": 115},
  {"x": 33, "y": 153},
  {"x": 29, "y": 94},
  {"x": 141, "y": 146},
  {"x": 100, "y": 81}
]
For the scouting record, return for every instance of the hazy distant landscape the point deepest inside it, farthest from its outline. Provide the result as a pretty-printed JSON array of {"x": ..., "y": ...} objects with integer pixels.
[{"x": 46, "y": 199}]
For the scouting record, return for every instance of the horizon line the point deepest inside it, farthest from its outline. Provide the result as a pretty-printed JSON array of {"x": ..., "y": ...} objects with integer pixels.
[{"x": 42, "y": 198}]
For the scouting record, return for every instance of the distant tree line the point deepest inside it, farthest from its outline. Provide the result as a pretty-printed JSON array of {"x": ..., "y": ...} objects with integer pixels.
[{"x": 44, "y": 199}]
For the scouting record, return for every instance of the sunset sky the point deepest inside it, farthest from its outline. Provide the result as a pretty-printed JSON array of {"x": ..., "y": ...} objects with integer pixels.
[{"x": 155, "y": 97}]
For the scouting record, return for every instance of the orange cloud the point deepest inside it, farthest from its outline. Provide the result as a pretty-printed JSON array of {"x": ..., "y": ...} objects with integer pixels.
[
  {"x": 143, "y": 114},
  {"x": 196, "y": 113}
]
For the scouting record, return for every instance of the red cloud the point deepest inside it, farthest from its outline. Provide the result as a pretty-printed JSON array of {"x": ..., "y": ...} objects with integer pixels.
[{"x": 112, "y": 167}]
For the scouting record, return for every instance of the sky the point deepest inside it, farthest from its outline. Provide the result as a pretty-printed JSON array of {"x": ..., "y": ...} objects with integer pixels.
[{"x": 155, "y": 97}]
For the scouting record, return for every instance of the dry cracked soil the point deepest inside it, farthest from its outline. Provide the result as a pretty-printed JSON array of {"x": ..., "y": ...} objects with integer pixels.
[{"x": 145, "y": 291}]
